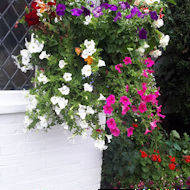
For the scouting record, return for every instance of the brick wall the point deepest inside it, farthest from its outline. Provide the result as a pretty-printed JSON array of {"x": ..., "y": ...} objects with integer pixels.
[{"x": 45, "y": 161}]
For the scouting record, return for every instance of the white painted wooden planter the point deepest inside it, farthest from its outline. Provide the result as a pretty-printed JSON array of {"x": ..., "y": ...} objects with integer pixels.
[{"x": 43, "y": 161}]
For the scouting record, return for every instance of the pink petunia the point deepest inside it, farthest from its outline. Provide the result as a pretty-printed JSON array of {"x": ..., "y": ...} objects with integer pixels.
[
  {"x": 134, "y": 108},
  {"x": 115, "y": 132},
  {"x": 150, "y": 71},
  {"x": 145, "y": 73},
  {"x": 107, "y": 109},
  {"x": 127, "y": 60},
  {"x": 125, "y": 109},
  {"x": 142, "y": 107},
  {"x": 149, "y": 62},
  {"x": 118, "y": 67},
  {"x": 130, "y": 131},
  {"x": 111, "y": 123},
  {"x": 110, "y": 99},
  {"x": 147, "y": 131},
  {"x": 127, "y": 88},
  {"x": 148, "y": 98},
  {"x": 153, "y": 124},
  {"x": 124, "y": 100}
]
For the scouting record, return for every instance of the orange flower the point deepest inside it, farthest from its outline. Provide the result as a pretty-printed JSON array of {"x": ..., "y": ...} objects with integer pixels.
[
  {"x": 89, "y": 60},
  {"x": 77, "y": 50}
]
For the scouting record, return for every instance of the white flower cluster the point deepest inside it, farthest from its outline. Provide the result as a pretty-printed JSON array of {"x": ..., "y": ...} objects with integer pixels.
[
  {"x": 42, "y": 78},
  {"x": 34, "y": 46},
  {"x": 88, "y": 87},
  {"x": 90, "y": 49},
  {"x": 59, "y": 103},
  {"x": 88, "y": 19},
  {"x": 84, "y": 110},
  {"x": 141, "y": 50},
  {"x": 148, "y": 2},
  {"x": 32, "y": 102},
  {"x": 158, "y": 23}
]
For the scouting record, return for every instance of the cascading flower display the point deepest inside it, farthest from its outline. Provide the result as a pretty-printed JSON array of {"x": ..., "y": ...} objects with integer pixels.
[{"x": 90, "y": 62}]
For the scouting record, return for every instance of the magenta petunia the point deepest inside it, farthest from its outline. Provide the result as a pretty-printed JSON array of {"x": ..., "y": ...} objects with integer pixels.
[
  {"x": 147, "y": 131},
  {"x": 127, "y": 88},
  {"x": 115, "y": 132},
  {"x": 130, "y": 131},
  {"x": 134, "y": 108},
  {"x": 111, "y": 123},
  {"x": 145, "y": 73},
  {"x": 110, "y": 99},
  {"x": 118, "y": 67},
  {"x": 127, "y": 60},
  {"x": 107, "y": 109},
  {"x": 142, "y": 107},
  {"x": 149, "y": 62},
  {"x": 125, "y": 109},
  {"x": 124, "y": 100}
]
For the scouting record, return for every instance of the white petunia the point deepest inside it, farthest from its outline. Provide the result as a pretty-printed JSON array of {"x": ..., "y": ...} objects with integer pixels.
[
  {"x": 89, "y": 44},
  {"x": 100, "y": 144},
  {"x": 54, "y": 100},
  {"x": 62, "y": 102},
  {"x": 43, "y": 122},
  {"x": 88, "y": 87},
  {"x": 155, "y": 53},
  {"x": 164, "y": 41},
  {"x": 85, "y": 54},
  {"x": 57, "y": 110},
  {"x": 32, "y": 102},
  {"x": 141, "y": 51},
  {"x": 89, "y": 110},
  {"x": 62, "y": 64},
  {"x": 158, "y": 23},
  {"x": 86, "y": 70},
  {"x": 44, "y": 55},
  {"x": 67, "y": 76},
  {"x": 101, "y": 63},
  {"x": 25, "y": 53},
  {"x": 26, "y": 61},
  {"x": 101, "y": 97},
  {"x": 83, "y": 124},
  {"x": 145, "y": 45},
  {"x": 34, "y": 46},
  {"x": 56, "y": 20},
  {"x": 64, "y": 90},
  {"x": 42, "y": 78},
  {"x": 88, "y": 19}
]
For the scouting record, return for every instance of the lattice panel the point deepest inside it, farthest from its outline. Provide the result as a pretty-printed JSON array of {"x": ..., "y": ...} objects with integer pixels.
[{"x": 11, "y": 42}]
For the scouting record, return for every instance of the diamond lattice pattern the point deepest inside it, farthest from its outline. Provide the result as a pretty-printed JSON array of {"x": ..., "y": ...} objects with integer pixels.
[{"x": 11, "y": 42}]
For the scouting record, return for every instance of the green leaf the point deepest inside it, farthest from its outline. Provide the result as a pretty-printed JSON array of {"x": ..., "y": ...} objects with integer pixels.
[
  {"x": 172, "y": 1},
  {"x": 177, "y": 147}
]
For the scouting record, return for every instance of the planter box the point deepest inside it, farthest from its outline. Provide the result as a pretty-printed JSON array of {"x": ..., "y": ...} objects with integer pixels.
[{"x": 45, "y": 161}]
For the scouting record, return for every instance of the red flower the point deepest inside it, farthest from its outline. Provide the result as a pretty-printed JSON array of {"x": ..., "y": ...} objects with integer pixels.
[
  {"x": 143, "y": 154},
  {"x": 32, "y": 18},
  {"x": 34, "y": 5},
  {"x": 154, "y": 157},
  {"x": 172, "y": 159},
  {"x": 172, "y": 166},
  {"x": 135, "y": 125},
  {"x": 159, "y": 159},
  {"x": 187, "y": 159}
]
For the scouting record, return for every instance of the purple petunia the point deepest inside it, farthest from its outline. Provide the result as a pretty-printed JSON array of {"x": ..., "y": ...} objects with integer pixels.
[
  {"x": 118, "y": 17},
  {"x": 76, "y": 12},
  {"x": 124, "y": 5},
  {"x": 60, "y": 9},
  {"x": 86, "y": 12},
  {"x": 135, "y": 11},
  {"x": 153, "y": 15},
  {"x": 113, "y": 8},
  {"x": 105, "y": 6},
  {"x": 97, "y": 12},
  {"x": 143, "y": 34}
]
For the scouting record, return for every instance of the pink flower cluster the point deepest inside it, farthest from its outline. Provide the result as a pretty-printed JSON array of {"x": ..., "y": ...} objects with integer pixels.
[
  {"x": 113, "y": 127},
  {"x": 108, "y": 109},
  {"x": 127, "y": 61}
]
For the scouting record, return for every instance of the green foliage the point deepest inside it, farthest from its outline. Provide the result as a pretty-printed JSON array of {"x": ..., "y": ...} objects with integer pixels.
[
  {"x": 174, "y": 67},
  {"x": 124, "y": 168}
]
